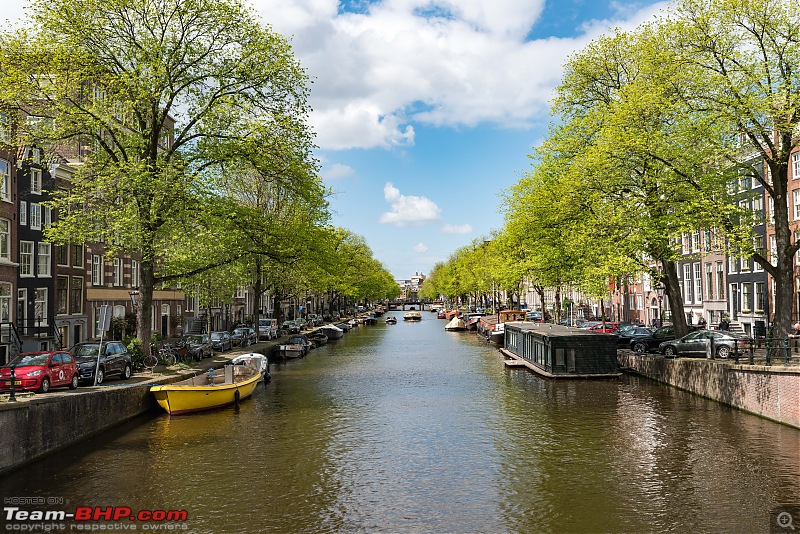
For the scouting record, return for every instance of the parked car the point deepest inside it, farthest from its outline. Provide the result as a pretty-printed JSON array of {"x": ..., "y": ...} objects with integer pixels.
[
  {"x": 40, "y": 371},
  {"x": 696, "y": 344},
  {"x": 651, "y": 343},
  {"x": 290, "y": 327},
  {"x": 199, "y": 346},
  {"x": 243, "y": 336},
  {"x": 221, "y": 341},
  {"x": 535, "y": 316},
  {"x": 628, "y": 335},
  {"x": 267, "y": 328},
  {"x": 114, "y": 360},
  {"x": 606, "y": 328},
  {"x": 313, "y": 319}
]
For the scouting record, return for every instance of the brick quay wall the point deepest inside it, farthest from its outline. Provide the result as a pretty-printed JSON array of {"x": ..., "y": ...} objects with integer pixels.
[{"x": 772, "y": 391}]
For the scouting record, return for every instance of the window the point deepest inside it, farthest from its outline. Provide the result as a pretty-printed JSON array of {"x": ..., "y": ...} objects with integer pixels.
[
  {"x": 720, "y": 281},
  {"x": 62, "y": 255},
  {"x": 773, "y": 249},
  {"x": 747, "y": 297},
  {"x": 796, "y": 202},
  {"x": 687, "y": 283},
  {"x": 709, "y": 282},
  {"x": 5, "y": 240},
  {"x": 698, "y": 283},
  {"x": 707, "y": 240},
  {"x": 117, "y": 272},
  {"x": 43, "y": 265},
  {"x": 189, "y": 304},
  {"x": 796, "y": 166},
  {"x": 76, "y": 295},
  {"x": 696, "y": 242},
  {"x": 747, "y": 264},
  {"x": 23, "y": 213},
  {"x": 732, "y": 264},
  {"x": 47, "y": 216},
  {"x": 685, "y": 245},
  {"x": 761, "y": 297},
  {"x": 639, "y": 302},
  {"x": 97, "y": 270},
  {"x": 77, "y": 255},
  {"x": 5, "y": 302},
  {"x": 758, "y": 245},
  {"x": 632, "y": 301},
  {"x": 5, "y": 180},
  {"x": 134, "y": 273},
  {"x": 36, "y": 181},
  {"x": 40, "y": 306},
  {"x": 771, "y": 211},
  {"x": 26, "y": 258},
  {"x": 758, "y": 209},
  {"x": 36, "y": 216},
  {"x": 62, "y": 295}
]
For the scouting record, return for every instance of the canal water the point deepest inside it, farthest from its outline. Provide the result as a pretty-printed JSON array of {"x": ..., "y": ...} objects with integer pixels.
[{"x": 409, "y": 428}]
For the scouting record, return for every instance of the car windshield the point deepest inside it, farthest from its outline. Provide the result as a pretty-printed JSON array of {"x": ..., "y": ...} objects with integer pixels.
[
  {"x": 216, "y": 335},
  {"x": 85, "y": 350},
  {"x": 29, "y": 359},
  {"x": 240, "y": 331},
  {"x": 195, "y": 339}
]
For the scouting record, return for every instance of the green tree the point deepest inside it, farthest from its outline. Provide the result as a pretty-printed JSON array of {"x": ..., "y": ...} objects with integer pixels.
[{"x": 163, "y": 93}]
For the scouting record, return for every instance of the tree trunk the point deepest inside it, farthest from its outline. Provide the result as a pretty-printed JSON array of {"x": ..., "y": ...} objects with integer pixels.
[
  {"x": 673, "y": 290},
  {"x": 144, "y": 316}
]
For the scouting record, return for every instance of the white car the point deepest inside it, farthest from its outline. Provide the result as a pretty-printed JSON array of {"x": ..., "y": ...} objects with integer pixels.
[{"x": 268, "y": 328}]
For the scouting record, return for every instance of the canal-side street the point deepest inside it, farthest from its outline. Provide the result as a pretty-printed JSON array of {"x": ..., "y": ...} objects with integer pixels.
[{"x": 408, "y": 428}]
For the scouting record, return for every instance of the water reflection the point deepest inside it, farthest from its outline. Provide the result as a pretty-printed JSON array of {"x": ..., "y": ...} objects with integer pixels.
[{"x": 408, "y": 428}]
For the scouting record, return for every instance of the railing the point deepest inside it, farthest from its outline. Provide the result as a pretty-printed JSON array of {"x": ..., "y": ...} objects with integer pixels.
[
  {"x": 33, "y": 328},
  {"x": 9, "y": 336},
  {"x": 778, "y": 350}
]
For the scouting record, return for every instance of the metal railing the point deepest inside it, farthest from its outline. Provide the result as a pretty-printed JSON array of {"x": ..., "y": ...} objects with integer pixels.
[{"x": 775, "y": 350}]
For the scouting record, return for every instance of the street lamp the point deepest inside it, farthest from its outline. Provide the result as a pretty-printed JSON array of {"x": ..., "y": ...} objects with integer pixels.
[{"x": 660, "y": 289}]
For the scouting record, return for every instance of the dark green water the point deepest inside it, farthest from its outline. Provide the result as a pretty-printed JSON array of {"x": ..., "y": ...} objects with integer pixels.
[{"x": 408, "y": 428}]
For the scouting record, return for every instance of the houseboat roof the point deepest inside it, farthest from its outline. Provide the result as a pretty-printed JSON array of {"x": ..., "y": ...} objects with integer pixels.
[{"x": 552, "y": 330}]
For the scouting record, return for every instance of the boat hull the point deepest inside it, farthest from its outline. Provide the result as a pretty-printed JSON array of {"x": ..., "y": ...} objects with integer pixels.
[{"x": 180, "y": 398}]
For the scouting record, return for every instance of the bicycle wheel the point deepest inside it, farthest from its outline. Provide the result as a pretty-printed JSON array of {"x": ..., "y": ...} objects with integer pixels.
[
  {"x": 150, "y": 361},
  {"x": 167, "y": 357}
]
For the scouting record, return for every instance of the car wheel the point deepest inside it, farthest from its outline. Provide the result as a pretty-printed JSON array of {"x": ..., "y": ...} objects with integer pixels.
[
  {"x": 101, "y": 375},
  {"x": 669, "y": 352},
  {"x": 639, "y": 348},
  {"x": 723, "y": 352},
  {"x": 74, "y": 383},
  {"x": 45, "y": 387},
  {"x": 126, "y": 373}
]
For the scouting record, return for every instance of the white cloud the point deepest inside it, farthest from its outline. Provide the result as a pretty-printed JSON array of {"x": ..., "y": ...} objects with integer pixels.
[
  {"x": 420, "y": 248},
  {"x": 407, "y": 210},
  {"x": 456, "y": 228},
  {"x": 442, "y": 62},
  {"x": 336, "y": 171}
]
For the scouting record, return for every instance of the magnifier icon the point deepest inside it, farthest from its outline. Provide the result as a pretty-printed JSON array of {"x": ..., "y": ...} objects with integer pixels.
[{"x": 784, "y": 520}]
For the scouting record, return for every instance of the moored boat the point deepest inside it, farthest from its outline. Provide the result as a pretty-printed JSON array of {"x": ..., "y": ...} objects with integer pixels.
[
  {"x": 391, "y": 320},
  {"x": 412, "y": 316},
  {"x": 333, "y": 332},
  {"x": 295, "y": 347},
  {"x": 255, "y": 360},
  {"x": 317, "y": 338},
  {"x": 213, "y": 389},
  {"x": 370, "y": 320},
  {"x": 455, "y": 325}
]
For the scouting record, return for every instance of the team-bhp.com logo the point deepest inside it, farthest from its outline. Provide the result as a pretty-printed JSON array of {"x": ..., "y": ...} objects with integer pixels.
[{"x": 92, "y": 518}]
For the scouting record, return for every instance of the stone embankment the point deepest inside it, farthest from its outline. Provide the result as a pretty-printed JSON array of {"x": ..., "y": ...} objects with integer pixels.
[
  {"x": 771, "y": 391},
  {"x": 38, "y": 425}
]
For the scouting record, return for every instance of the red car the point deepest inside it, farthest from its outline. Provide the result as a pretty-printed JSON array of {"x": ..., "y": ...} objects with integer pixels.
[
  {"x": 39, "y": 371},
  {"x": 608, "y": 328}
]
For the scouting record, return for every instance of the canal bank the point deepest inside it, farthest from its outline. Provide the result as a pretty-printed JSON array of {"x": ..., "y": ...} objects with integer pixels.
[
  {"x": 43, "y": 424},
  {"x": 772, "y": 391}
]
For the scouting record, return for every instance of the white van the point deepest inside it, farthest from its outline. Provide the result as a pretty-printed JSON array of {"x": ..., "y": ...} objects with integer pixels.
[{"x": 268, "y": 328}]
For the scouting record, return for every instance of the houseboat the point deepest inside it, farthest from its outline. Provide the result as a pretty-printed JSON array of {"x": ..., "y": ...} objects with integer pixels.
[{"x": 557, "y": 351}]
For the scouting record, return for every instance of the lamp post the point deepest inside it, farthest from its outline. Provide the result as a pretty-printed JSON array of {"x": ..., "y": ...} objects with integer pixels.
[{"x": 660, "y": 289}]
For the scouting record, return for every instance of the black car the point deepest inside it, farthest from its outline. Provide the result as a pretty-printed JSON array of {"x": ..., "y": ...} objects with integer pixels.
[
  {"x": 651, "y": 342},
  {"x": 199, "y": 346},
  {"x": 243, "y": 336},
  {"x": 626, "y": 336},
  {"x": 697, "y": 344},
  {"x": 114, "y": 360},
  {"x": 221, "y": 341}
]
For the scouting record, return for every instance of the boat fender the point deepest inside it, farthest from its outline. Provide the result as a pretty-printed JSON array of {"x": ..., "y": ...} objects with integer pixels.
[
  {"x": 267, "y": 378},
  {"x": 236, "y": 397}
]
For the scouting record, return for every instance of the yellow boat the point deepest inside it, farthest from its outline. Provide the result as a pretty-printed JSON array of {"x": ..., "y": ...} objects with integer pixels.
[
  {"x": 212, "y": 389},
  {"x": 412, "y": 316}
]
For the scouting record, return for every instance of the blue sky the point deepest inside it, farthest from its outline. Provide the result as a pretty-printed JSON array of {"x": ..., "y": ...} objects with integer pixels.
[{"x": 426, "y": 110}]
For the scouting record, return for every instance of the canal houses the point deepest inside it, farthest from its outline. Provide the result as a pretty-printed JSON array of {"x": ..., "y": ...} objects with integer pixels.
[{"x": 557, "y": 351}]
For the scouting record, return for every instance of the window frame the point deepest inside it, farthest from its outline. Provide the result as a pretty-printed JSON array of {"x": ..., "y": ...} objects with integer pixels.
[{"x": 26, "y": 259}]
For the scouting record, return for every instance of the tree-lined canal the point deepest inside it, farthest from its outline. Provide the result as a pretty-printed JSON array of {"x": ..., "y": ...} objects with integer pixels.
[{"x": 409, "y": 428}]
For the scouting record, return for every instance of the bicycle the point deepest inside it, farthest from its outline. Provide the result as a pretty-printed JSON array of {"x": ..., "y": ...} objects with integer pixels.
[
  {"x": 151, "y": 360},
  {"x": 166, "y": 355}
]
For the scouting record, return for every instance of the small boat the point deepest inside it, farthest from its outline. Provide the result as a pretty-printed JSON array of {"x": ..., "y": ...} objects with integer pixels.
[
  {"x": 318, "y": 338},
  {"x": 333, "y": 332},
  {"x": 255, "y": 360},
  {"x": 412, "y": 316},
  {"x": 344, "y": 327},
  {"x": 213, "y": 389},
  {"x": 370, "y": 320},
  {"x": 455, "y": 325},
  {"x": 378, "y": 312},
  {"x": 391, "y": 320},
  {"x": 296, "y": 346}
]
